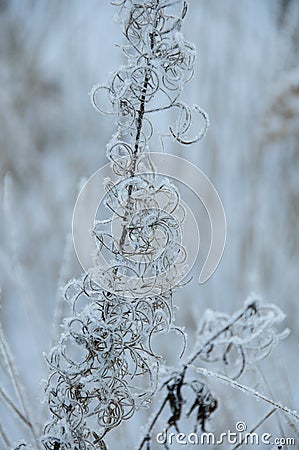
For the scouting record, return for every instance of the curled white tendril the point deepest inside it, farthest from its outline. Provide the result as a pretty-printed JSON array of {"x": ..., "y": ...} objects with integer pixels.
[
  {"x": 160, "y": 62},
  {"x": 243, "y": 341},
  {"x": 106, "y": 344}
]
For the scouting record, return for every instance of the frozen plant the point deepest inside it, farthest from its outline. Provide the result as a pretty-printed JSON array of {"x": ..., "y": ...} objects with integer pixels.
[
  {"x": 234, "y": 343},
  {"x": 117, "y": 308},
  {"x": 103, "y": 369}
]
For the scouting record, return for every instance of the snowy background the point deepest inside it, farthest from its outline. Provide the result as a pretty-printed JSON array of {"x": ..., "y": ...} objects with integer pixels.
[{"x": 247, "y": 78}]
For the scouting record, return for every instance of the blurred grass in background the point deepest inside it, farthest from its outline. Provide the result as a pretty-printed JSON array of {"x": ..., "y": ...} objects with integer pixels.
[{"x": 247, "y": 78}]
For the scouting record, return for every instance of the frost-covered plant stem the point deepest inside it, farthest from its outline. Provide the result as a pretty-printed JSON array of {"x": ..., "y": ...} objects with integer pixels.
[
  {"x": 125, "y": 298},
  {"x": 180, "y": 376},
  {"x": 254, "y": 323},
  {"x": 118, "y": 308},
  {"x": 5, "y": 438},
  {"x": 246, "y": 390},
  {"x": 13, "y": 407},
  {"x": 25, "y": 417}
]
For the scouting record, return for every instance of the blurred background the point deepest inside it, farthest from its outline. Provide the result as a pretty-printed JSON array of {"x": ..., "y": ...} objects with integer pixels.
[{"x": 247, "y": 78}]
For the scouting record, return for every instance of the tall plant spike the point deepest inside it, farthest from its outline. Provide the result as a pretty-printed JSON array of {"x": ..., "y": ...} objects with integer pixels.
[{"x": 106, "y": 344}]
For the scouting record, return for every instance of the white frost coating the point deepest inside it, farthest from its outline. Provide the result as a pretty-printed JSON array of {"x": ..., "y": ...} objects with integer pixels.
[
  {"x": 118, "y": 307},
  {"x": 243, "y": 339},
  {"x": 247, "y": 390}
]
